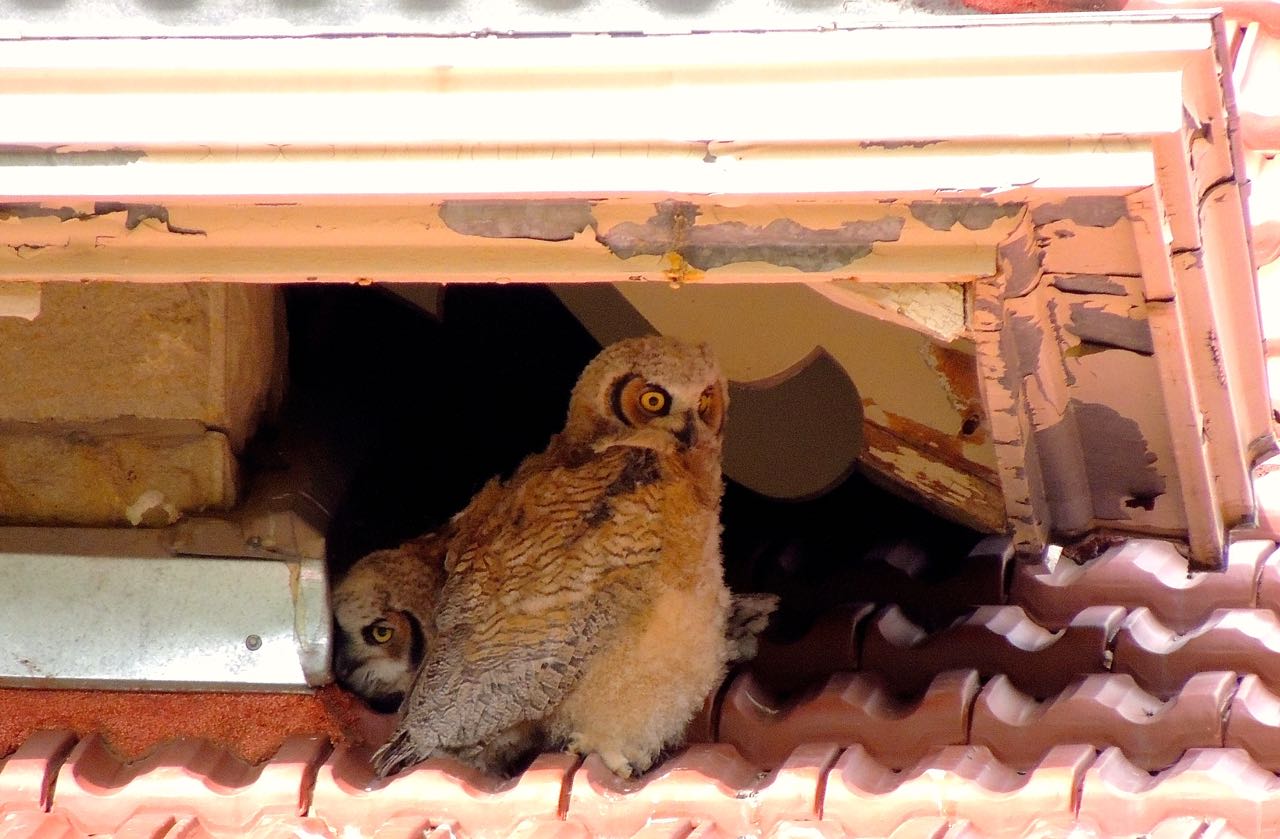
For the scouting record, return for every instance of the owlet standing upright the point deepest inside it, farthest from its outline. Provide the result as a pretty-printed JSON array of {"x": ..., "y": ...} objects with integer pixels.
[{"x": 584, "y": 603}]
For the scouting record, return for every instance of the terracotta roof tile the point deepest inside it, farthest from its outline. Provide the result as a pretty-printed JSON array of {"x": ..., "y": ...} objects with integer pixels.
[
  {"x": 348, "y": 797},
  {"x": 1189, "y": 827},
  {"x": 831, "y": 645},
  {"x": 703, "y": 783},
  {"x": 27, "y": 775},
  {"x": 962, "y": 782},
  {"x": 903, "y": 573},
  {"x": 849, "y": 708},
  {"x": 994, "y": 639},
  {"x": 1161, "y": 660},
  {"x": 1140, "y": 572},
  {"x": 99, "y": 792},
  {"x": 1124, "y": 800},
  {"x": 36, "y": 824},
  {"x": 1103, "y": 710},
  {"x": 1253, "y": 722}
]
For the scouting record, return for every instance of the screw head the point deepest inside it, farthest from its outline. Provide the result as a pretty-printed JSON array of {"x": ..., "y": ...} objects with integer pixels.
[{"x": 253, "y": 642}]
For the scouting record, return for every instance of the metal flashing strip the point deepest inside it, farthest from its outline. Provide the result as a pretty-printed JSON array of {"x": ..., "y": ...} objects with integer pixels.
[
  {"x": 1078, "y": 175},
  {"x": 124, "y": 612},
  {"x": 232, "y": 602}
]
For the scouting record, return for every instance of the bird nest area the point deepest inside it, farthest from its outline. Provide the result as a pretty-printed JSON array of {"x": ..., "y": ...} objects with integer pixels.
[
  {"x": 443, "y": 404},
  {"x": 416, "y": 411}
]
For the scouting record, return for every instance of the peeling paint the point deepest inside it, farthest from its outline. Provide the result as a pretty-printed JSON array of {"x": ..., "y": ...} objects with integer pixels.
[
  {"x": 34, "y": 210},
  {"x": 1088, "y": 284},
  {"x": 1025, "y": 262},
  {"x": 781, "y": 242},
  {"x": 950, "y": 489},
  {"x": 1108, "y": 329},
  {"x": 136, "y": 214},
  {"x": 898, "y": 144},
  {"x": 550, "y": 221},
  {"x": 1119, "y": 464},
  {"x": 16, "y": 155},
  {"x": 971, "y": 215},
  {"x": 1087, "y": 210}
]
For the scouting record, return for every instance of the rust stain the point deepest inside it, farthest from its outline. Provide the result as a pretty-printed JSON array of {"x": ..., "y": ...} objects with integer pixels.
[
  {"x": 677, "y": 270},
  {"x": 938, "y": 445},
  {"x": 959, "y": 374},
  {"x": 958, "y": 490},
  {"x": 1215, "y": 353}
]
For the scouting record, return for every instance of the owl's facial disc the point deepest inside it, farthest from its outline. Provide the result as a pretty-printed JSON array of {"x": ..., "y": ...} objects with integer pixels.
[
  {"x": 377, "y": 661},
  {"x": 636, "y": 403}
]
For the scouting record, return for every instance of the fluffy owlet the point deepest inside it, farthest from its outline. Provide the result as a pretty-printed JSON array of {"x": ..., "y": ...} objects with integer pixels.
[
  {"x": 384, "y": 624},
  {"x": 384, "y": 613},
  {"x": 584, "y": 603}
]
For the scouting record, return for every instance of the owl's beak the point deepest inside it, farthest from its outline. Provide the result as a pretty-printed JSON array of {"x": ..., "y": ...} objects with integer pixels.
[{"x": 687, "y": 432}]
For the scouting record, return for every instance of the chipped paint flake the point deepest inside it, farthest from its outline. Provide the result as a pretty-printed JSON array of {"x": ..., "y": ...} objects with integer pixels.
[
  {"x": 23, "y": 210},
  {"x": 135, "y": 214},
  {"x": 781, "y": 242},
  {"x": 1096, "y": 325},
  {"x": 975, "y": 214},
  {"x": 550, "y": 221},
  {"x": 1086, "y": 210},
  {"x": 946, "y": 486},
  {"x": 1119, "y": 464},
  {"x": 1024, "y": 263},
  {"x": 17, "y": 155},
  {"x": 1088, "y": 284}
]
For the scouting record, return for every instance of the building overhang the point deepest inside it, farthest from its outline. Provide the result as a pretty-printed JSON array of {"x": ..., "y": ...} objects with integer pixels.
[{"x": 1055, "y": 201}]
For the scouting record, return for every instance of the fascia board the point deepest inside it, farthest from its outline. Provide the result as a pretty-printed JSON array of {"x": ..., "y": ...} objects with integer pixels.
[{"x": 239, "y": 150}]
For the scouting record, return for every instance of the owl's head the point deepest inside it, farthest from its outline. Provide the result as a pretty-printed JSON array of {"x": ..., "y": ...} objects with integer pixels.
[
  {"x": 651, "y": 383},
  {"x": 382, "y": 613}
]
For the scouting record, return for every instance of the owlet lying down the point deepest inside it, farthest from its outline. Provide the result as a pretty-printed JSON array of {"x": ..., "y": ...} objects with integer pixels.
[
  {"x": 384, "y": 614},
  {"x": 584, "y": 603}
]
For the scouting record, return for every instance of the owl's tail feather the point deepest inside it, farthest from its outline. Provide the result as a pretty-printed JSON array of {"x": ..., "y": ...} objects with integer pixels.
[{"x": 400, "y": 752}]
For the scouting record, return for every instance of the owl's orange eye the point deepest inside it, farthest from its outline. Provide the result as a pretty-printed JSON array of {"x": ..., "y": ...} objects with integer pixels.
[
  {"x": 704, "y": 402},
  {"x": 380, "y": 633},
  {"x": 654, "y": 401}
]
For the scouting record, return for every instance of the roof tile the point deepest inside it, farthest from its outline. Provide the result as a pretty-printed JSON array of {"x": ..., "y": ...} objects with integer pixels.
[
  {"x": 830, "y": 645},
  {"x": 1161, "y": 660},
  {"x": 962, "y": 782},
  {"x": 849, "y": 708},
  {"x": 1253, "y": 722},
  {"x": 1103, "y": 710},
  {"x": 704, "y": 784},
  {"x": 348, "y": 797},
  {"x": 1125, "y": 800},
  {"x": 26, "y": 776},
  {"x": 99, "y": 792},
  {"x": 994, "y": 639},
  {"x": 1139, "y": 572}
]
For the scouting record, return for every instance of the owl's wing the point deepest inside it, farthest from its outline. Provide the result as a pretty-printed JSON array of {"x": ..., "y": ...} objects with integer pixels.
[{"x": 533, "y": 583}]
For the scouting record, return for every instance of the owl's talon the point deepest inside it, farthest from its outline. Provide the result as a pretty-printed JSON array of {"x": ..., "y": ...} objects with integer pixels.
[{"x": 397, "y": 754}]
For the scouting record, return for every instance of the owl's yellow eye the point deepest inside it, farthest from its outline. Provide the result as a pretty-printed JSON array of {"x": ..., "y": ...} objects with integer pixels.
[
  {"x": 654, "y": 401},
  {"x": 381, "y": 633},
  {"x": 704, "y": 402}
]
